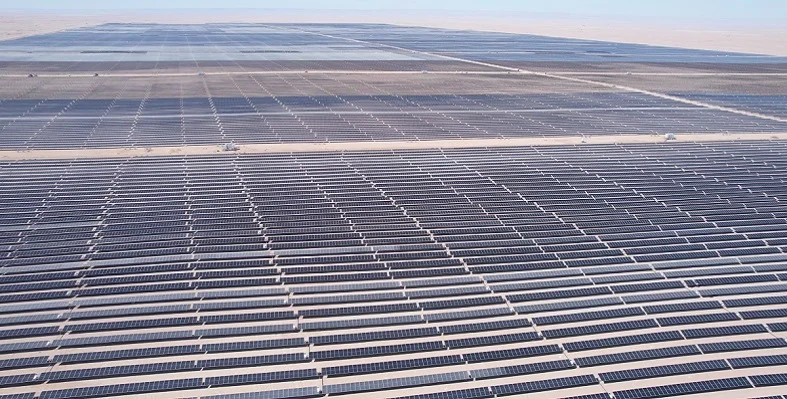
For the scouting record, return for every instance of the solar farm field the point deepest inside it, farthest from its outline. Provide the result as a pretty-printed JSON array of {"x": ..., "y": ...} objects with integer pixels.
[{"x": 635, "y": 269}]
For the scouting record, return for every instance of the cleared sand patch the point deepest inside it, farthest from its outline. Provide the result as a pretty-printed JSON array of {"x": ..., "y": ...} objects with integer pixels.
[
  {"x": 372, "y": 146},
  {"x": 16, "y": 25}
]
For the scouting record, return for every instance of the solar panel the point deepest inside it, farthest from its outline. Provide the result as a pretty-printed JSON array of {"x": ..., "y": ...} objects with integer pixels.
[
  {"x": 682, "y": 307},
  {"x": 382, "y": 367},
  {"x": 121, "y": 339},
  {"x": 250, "y": 330},
  {"x": 292, "y": 393},
  {"x": 262, "y": 378},
  {"x": 544, "y": 385},
  {"x": 600, "y": 315},
  {"x": 722, "y": 331},
  {"x": 118, "y": 371},
  {"x": 758, "y": 361},
  {"x": 468, "y": 314},
  {"x": 29, "y": 395},
  {"x": 487, "y": 326},
  {"x": 662, "y": 371},
  {"x": 769, "y": 380},
  {"x": 697, "y": 319},
  {"x": 591, "y": 396},
  {"x": 764, "y": 314},
  {"x": 512, "y": 353},
  {"x": 580, "y": 292},
  {"x": 664, "y": 296},
  {"x": 665, "y": 391},
  {"x": 647, "y": 354},
  {"x": 523, "y": 369},
  {"x": 742, "y": 345},
  {"x": 126, "y": 354},
  {"x": 623, "y": 341},
  {"x": 17, "y": 380},
  {"x": 357, "y": 323},
  {"x": 19, "y": 363},
  {"x": 379, "y": 385},
  {"x": 24, "y": 346},
  {"x": 599, "y": 328},
  {"x": 492, "y": 340},
  {"x": 254, "y": 345},
  {"x": 123, "y": 389},
  {"x": 568, "y": 305},
  {"x": 377, "y": 350},
  {"x": 252, "y": 361},
  {"x": 473, "y": 393},
  {"x": 758, "y": 301},
  {"x": 374, "y": 336}
]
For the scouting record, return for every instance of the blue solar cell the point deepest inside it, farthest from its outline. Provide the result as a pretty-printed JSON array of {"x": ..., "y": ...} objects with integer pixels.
[
  {"x": 292, "y": 393},
  {"x": 377, "y": 350},
  {"x": 123, "y": 389},
  {"x": 410, "y": 364},
  {"x": 252, "y": 361},
  {"x": 262, "y": 378},
  {"x": 512, "y": 353},
  {"x": 722, "y": 331},
  {"x": 716, "y": 347},
  {"x": 375, "y": 336},
  {"x": 758, "y": 361},
  {"x": 764, "y": 314},
  {"x": 492, "y": 340},
  {"x": 638, "y": 355},
  {"x": 769, "y": 380},
  {"x": 591, "y": 396},
  {"x": 599, "y": 328},
  {"x": 577, "y": 317},
  {"x": 546, "y": 295},
  {"x": 662, "y": 371},
  {"x": 654, "y": 286},
  {"x": 17, "y": 380},
  {"x": 24, "y": 362},
  {"x": 697, "y": 319},
  {"x": 378, "y": 385},
  {"x": 254, "y": 345},
  {"x": 127, "y": 354},
  {"x": 758, "y": 301},
  {"x": 568, "y": 305},
  {"x": 623, "y": 341},
  {"x": 487, "y": 326},
  {"x": 682, "y": 307},
  {"x": 544, "y": 385},
  {"x": 523, "y": 369},
  {"x": 668, "y": 391},
  {"x": 29, "y": 395},
  {"x": 106, "y": 372},
  {"x": 474, "y": 393},
  {"x": 661, "y": 296}
]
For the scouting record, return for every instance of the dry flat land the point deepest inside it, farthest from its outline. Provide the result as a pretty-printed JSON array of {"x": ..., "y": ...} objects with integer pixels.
[
  {"x": 743, "y": 37},
  {"x": 16, "y": 25},
  {"x": 371, "y": 146}
]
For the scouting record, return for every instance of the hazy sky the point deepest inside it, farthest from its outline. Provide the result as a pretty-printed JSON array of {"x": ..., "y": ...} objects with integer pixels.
[{"x": 697, "y": 9}]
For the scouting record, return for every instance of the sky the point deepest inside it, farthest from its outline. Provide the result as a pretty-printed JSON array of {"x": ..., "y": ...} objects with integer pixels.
[{"x": 695, "y": 9}]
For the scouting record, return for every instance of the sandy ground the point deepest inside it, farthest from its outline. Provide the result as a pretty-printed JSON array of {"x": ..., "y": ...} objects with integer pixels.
[
  {"x": 372, "y": 146},
  {"x": 16, "y": 25},
  {"x": 739, "y": 37}
]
